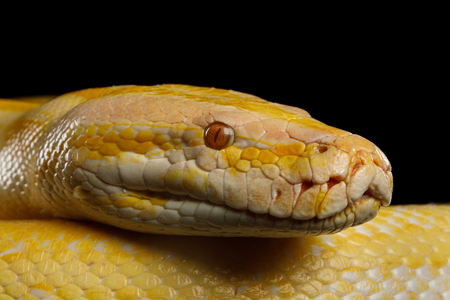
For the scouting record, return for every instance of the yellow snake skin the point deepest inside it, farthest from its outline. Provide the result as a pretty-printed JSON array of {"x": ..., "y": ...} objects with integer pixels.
[{"x": 149, "y": 159}]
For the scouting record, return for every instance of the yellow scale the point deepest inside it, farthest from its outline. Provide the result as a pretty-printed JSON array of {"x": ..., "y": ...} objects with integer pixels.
[{"x": 401, "y": 254}]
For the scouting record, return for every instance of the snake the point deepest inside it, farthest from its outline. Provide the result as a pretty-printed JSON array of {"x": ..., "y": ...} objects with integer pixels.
[{"x": 183, "y": 192}]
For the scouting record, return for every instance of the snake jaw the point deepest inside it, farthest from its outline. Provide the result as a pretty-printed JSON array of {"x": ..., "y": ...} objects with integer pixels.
[{"x": 143, "y": 165}]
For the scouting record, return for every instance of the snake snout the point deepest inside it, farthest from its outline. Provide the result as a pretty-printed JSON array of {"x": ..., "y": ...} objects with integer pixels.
[
  {"x": 368, "y": 179},
  {"x": 336, "y": 179}
]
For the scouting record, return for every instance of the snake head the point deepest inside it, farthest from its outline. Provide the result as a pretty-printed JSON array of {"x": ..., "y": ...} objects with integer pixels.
[{"x": 187, "y": 160}]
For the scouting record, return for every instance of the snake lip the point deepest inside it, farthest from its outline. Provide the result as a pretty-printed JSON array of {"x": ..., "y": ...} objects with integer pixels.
[
  {"x": 370, "y": 176},
  {"x": 381, "y": 187}
]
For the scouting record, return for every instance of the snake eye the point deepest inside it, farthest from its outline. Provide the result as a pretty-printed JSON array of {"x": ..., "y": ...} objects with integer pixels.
[{"x": 218, "y": 136}]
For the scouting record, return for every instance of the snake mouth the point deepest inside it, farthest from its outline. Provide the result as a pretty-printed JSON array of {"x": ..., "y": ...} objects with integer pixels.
[
  {"x": 325, "y": 200},
  {"x": 165, "y": 213},
  {"x": 318, "y": 209}
]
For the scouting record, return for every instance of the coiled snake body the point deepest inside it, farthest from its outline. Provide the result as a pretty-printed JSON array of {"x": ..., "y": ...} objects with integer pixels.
[{"x": 181, "y": 160}]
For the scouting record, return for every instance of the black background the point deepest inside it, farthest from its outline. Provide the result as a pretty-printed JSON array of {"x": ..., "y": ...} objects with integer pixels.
[{"x": 376, "y": 90}]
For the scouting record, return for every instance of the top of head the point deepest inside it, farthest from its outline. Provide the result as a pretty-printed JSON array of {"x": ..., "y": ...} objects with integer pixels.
[{"x": 190, "y": 160}]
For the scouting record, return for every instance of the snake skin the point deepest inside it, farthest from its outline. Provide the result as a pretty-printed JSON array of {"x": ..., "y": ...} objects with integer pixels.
[
  {"x": 402, "y": 254},
  {"x": 140, "y": 158}
]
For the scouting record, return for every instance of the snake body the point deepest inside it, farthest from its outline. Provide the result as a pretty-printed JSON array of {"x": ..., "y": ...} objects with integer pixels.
[{"x": 182, "y": 160}]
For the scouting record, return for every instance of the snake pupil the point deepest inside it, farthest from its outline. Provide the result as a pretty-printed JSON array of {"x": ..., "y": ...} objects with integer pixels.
[{"x": 217, "y": 135}]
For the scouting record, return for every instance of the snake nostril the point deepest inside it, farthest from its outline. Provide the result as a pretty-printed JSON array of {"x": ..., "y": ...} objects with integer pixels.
[{"x": 323, "y": 148}]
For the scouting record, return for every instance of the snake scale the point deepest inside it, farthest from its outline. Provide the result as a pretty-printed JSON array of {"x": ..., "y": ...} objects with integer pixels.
[{"x": 211, "y": 194}]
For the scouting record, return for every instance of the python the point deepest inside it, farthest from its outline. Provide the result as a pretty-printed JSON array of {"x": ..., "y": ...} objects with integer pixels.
[{"x": 182, "y": 160}]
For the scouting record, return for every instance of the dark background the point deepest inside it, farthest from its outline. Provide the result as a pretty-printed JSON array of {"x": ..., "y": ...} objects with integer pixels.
[{"x": 374, "y": 89}]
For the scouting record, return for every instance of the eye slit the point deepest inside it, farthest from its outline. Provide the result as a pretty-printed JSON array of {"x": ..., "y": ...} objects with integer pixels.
[{"x": 218, "y": 136}]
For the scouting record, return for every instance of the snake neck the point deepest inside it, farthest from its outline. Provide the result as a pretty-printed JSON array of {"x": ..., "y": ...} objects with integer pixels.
[
  {"x": 21, "y": 141},
  {"x": 23, "y": 148}
]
